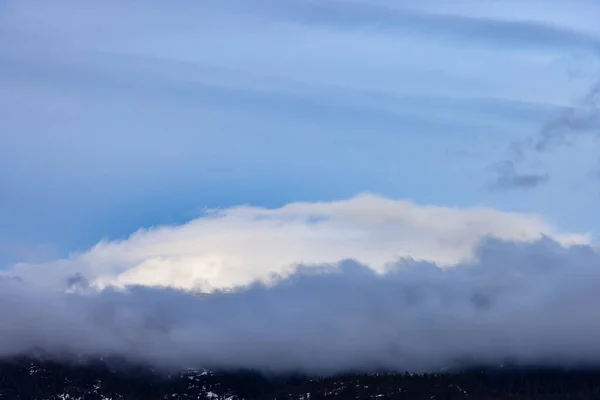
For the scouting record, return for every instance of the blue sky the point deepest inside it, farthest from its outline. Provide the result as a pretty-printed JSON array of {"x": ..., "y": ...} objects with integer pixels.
[{"x": 117, "y": 115}]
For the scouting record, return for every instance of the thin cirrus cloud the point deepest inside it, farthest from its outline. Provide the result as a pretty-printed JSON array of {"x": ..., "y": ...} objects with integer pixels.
[
  {"x": 525, "y": 30},
  {"x": 271, "y": 39}
]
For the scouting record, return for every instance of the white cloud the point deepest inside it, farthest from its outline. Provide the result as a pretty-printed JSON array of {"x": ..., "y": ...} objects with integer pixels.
[{"x": 235, "y": 246}]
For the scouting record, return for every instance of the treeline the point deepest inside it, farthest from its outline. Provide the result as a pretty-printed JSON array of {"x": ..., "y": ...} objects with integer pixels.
[
  {"x": 529, "y": 384},
  {"x": 28, "y": 380}
]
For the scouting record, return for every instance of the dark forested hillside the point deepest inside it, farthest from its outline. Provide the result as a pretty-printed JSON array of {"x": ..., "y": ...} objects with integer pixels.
[{"x": 29, "y": 379}]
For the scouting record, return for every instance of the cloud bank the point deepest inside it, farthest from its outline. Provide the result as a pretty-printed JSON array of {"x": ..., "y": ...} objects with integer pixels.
[
  {"x": 430, "y": 287},
  {"x": 236, "y": 246},
  {"x": 523, "y": 302}
]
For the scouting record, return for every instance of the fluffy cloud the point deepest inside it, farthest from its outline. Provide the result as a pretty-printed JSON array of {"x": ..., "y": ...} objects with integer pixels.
[{"x": 236, "y": 246}]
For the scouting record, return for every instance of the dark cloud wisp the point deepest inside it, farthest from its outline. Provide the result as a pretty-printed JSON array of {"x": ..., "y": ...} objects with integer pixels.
[
  {"x": 581, "y": 119},
  {"x": 509, "y": 178}
]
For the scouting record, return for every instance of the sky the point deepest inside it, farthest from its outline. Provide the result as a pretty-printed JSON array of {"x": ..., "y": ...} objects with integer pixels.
[
  {"x": 117, "y": 116},
  {"x": 207, "y": 146}
]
